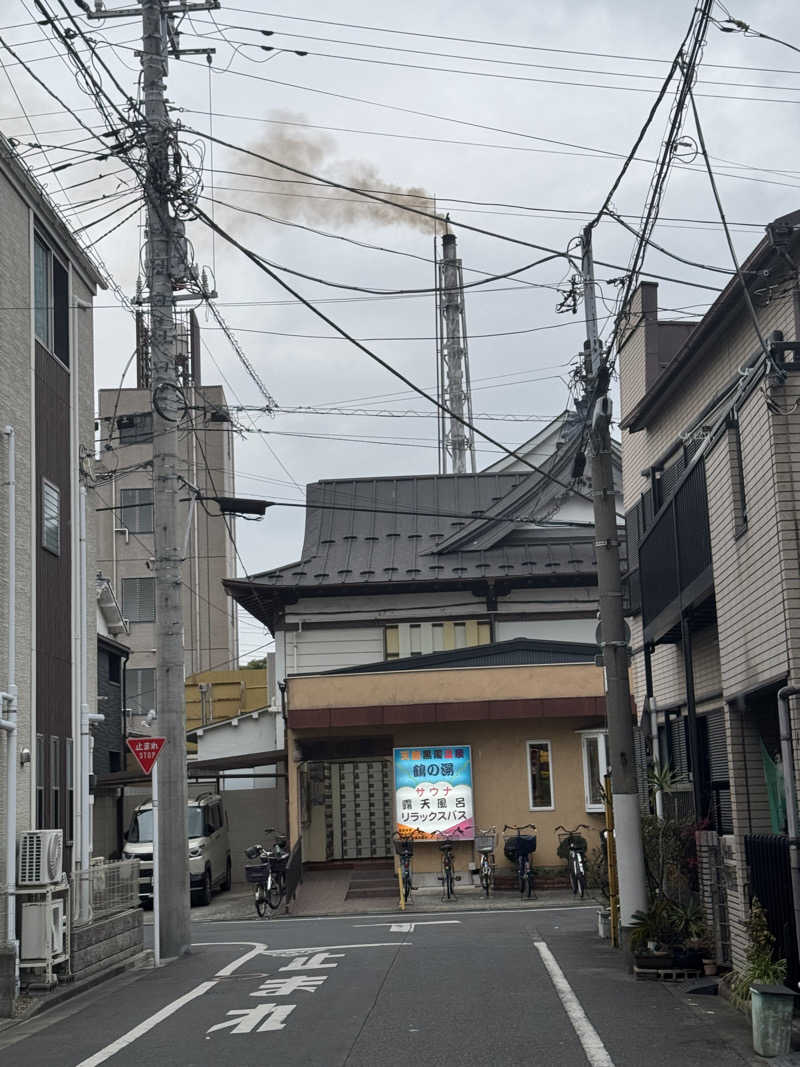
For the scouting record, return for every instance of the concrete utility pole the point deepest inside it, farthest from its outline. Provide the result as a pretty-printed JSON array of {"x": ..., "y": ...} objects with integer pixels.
[
  {"x": 173, "y": 859},
  {"x": 625, "y": 795},
  {"x": 454, "y": 357},
  {"x": 166, "y": 271}
]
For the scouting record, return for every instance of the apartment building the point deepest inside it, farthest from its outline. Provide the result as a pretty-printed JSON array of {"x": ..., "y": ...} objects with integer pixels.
[
  {"x": 126, "y": 517},
  {"x": 47, "y": 285},
  {"x": 710, "y": 478}
]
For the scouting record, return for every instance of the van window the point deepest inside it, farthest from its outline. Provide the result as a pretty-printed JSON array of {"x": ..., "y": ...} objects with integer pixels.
[{"x": 141, "y": 831}]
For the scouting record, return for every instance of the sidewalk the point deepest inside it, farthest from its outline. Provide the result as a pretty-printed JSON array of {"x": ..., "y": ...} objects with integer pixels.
[{"x": 323, "y": 893}]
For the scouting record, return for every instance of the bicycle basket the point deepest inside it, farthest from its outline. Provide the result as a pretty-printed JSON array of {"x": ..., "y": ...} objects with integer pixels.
[
  {"x": 485, "y": 842},
  {"x": 256, "y": 873},
  {"x": 404, "y": 845},
  {"x": 278, "y": 861},
  {"x": 580, "y": 842},
  {"x": 515, "y": 846}
]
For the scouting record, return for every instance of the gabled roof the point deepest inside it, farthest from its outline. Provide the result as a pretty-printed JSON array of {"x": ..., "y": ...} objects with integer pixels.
[{"x": 429, "y": 532}]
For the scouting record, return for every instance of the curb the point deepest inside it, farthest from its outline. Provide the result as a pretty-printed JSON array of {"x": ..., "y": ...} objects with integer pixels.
[{"x": 69, "y": 990}]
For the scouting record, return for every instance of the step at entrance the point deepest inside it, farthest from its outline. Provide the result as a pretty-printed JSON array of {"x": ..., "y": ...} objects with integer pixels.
[{"x": 376, "y": 880}]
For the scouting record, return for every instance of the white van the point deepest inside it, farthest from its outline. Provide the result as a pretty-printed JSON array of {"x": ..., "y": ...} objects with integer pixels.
[{"x": 209, "y": 847}]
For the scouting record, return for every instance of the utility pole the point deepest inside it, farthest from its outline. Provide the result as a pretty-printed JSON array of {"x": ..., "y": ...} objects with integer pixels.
[
  {"x": 166, "y": 271},
  {"x": 614, "y": 645}
]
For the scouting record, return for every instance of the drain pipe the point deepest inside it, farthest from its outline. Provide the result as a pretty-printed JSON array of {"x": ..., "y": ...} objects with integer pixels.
[
  {"x": 790, "y": 789},
  {"x": 9, "y": 698}
]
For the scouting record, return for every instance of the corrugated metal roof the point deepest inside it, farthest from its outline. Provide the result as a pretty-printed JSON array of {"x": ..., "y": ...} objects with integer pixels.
[{"x": 374, "y": 531}]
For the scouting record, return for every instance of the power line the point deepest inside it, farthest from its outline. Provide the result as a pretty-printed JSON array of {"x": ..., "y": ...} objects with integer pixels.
[
  {"x": 495, "y": 44},
  {"x": 372, "y": 355}
]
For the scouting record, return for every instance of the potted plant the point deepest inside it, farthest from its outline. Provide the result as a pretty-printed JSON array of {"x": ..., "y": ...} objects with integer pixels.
[
  {"x": 695, "y": 951},
  {"x": 654, "y": 935},
  {"x": 761, "y": 983}
]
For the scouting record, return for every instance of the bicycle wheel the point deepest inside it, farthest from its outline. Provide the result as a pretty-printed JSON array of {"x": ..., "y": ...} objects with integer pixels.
[
  {"x": 274, "y": 891},
  {"x": 260, "y": 895},
  {"x": 581, "y": 880},
  {"x": 406, "y": 882},
  {"x": 573, "y": 876},
  {"x": 529, "y": 879},
  {"x": 485, "y": 875},
  {"x": 449, "y": 881},
  {"x": 521, "y": 875}
]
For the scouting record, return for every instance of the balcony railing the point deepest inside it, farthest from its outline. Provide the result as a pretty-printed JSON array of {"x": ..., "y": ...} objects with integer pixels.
[{"x": 675, "y": 556}]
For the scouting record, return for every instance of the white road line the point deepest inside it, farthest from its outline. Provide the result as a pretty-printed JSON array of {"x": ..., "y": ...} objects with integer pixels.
[
  {"x": 170, "y": 1009},
  {"x": 381, "y": 915},
  {"x": 327, "y": 948},
  {"x": 405, "y": 927},
  {"x": 143, "y": 1028},
  {"x": 589, "y": 1038}
]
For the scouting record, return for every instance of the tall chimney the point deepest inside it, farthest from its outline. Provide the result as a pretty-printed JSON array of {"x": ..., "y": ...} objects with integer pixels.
[{"x": 455, "y": 439}]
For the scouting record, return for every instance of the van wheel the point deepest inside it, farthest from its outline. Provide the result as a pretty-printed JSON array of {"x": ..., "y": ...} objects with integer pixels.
[
  {"x": 228, "y": 878},
  {"x": 204, "y": 895}
]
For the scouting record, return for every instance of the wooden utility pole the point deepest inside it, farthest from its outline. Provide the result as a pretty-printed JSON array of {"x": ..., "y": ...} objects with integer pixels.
[{"x": 613, "y": 642}]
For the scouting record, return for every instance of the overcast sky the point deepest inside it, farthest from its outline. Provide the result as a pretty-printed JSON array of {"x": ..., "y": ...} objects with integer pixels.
[{"x": 514, "y": 179}]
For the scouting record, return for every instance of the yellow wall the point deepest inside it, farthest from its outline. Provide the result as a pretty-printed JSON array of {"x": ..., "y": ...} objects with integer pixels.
[
  {"x": 234, "y": 693},
  {"x": 500, "y": 782},
  {"x": 455, "y": 684}
]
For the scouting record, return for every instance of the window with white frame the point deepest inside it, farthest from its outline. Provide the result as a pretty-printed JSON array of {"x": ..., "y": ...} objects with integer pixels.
[
  {"x": 595, "y": 765},
  {"x": 51, "y": 517},
  {"x": 540, "y": 776}
]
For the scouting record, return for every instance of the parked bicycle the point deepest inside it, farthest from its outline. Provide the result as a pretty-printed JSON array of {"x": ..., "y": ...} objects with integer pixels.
[
  {"x": 518, "y": 848},
  {"x": 268, "y": 875},
  {"x": 484, "y": 846},
  {"x": 404, "y": 847},
  {"x": 576, "y": 855},
  {"x": 448, "y": 875}
]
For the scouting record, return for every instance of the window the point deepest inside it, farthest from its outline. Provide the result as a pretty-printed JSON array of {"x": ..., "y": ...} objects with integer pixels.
[
  {"x": 595, "y": 765},
  {"x": 139, "y": 599},
  {"x": 70, "y": 784},
  {"x": 540, "y": 768},
  {"x": 51, "y": 517},
  {"x": 55, "y": 781},
  {"x": 421, "y": 638},
  {"x": 114, "y": 669},
  {"x": 136, "y": 429},
  {"x": 140, "y": 689},
  {"x": 40, "y": 814},
  {"x": 136, "y": 510},
  {"x": 41, "y": 291},
  {"x": 392, "y": 639},
  {"x": 50, "y": 300}
]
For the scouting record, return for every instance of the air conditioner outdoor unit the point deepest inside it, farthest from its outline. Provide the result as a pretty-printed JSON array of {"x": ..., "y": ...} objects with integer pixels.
[{"x": 40, "y": 857}]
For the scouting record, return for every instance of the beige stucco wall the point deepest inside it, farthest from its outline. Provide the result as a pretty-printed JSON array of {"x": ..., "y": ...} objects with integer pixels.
[
  {"x": 500, "y": 783},
  {"x": 434, "y": 686}
]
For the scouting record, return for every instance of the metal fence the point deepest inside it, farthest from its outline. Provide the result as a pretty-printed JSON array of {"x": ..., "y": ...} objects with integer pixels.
[
  {"x": 294, "y": 870},
  {"x": 103, "y": 890},
  {"x": 771, "y": 881}
]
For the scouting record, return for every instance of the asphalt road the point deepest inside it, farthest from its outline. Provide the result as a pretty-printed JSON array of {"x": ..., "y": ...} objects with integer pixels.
[{"x": 478, "y": 988}]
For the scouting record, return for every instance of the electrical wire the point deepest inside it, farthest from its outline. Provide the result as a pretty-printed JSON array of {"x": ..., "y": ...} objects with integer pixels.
[{"x": 254, "y": 258}]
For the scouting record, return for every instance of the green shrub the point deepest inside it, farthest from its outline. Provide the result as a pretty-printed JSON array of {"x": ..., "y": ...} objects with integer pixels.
[{"x": 760, "y": 966}]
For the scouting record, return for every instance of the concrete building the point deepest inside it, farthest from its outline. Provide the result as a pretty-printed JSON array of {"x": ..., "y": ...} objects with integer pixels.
[
  {"x": 47, "y": 285},
  {"x": 710, "y": 474},
  {"x": 440, "y": 573},
  {"x": 125, "y": 522}
]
